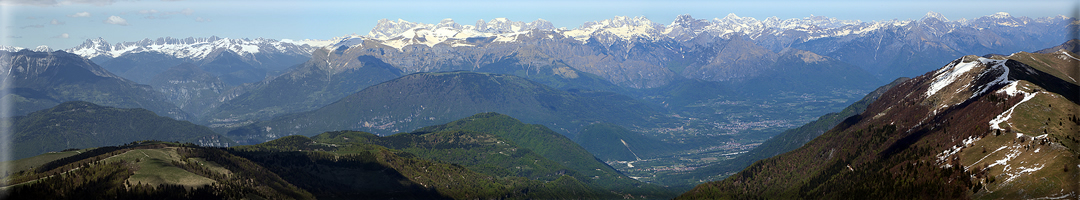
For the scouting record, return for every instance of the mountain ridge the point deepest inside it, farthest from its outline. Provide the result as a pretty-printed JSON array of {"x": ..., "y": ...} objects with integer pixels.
[{"x": 44, "y": 79}]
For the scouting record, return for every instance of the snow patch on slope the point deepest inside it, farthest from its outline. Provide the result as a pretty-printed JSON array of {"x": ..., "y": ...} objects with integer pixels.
[
  {"x": 957, "y": 70},
  {"x": 995, "y": 66},
  {"x": 944, "y": 156},
  {"x": 1014, "y": 152},
  {"x": 1010, "y": 90}
]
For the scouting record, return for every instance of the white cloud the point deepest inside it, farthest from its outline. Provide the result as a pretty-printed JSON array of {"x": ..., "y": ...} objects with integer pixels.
[
  {"x": 116, "y": 20},
  {"x": 151, "y": 11},
  {"x": 65, "y": 35},
  {"x": 81, "y": 14},
  {"x": 200, "y": 19},
  {"x": 56, "y": 22}
]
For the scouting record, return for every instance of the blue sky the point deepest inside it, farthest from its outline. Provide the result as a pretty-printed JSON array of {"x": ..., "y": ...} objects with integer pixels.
[{"x": 62, "y": 24}]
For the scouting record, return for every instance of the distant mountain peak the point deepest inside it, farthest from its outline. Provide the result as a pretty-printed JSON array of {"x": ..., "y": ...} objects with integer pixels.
[
  {"x": 447, "y": 28},
  {"x": 10, "y": 48},
  {"x": 43, "y": 48},
  {"x": 732, "y": 16},
  {"x": 683, "y": 18},
  {"x": 448, "y": 23},
  {"x": 935, "y": 15},
  {"x": 684, "y": 24},
  {"x": 387, "y": 28},
  {"x": 504, "y": 25},
  {"x": 621, "y": 21},
  {"x": 1000, "y": 15},
  {"x": 618, "y": 28},
  {"x": 401, "y": 33}
]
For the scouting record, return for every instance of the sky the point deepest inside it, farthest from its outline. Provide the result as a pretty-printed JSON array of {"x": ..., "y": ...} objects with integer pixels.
[{"x": 62, "y": 24}]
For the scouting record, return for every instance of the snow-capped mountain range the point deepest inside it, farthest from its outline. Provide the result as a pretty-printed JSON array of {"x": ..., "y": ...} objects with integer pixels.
[
  {"x": 401, "y": 33},
  {"x": 193, "y": 48},
  {"x": 636, "y": 51}
]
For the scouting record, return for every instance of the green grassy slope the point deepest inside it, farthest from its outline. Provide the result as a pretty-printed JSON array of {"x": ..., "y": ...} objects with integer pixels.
[{"x": 157, "y": 170}]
